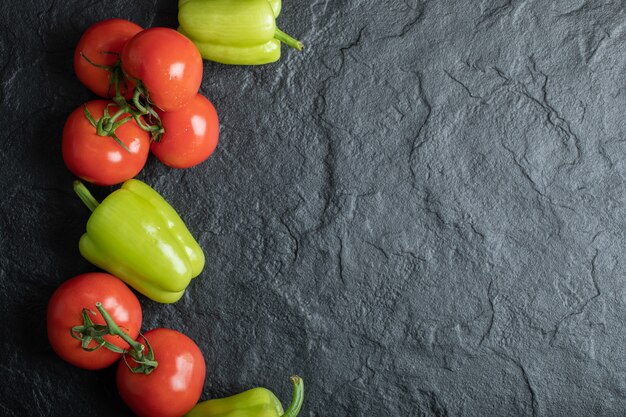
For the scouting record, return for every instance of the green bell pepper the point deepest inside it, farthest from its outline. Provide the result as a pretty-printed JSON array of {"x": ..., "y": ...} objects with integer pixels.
[
  {"x": 257, "y": 402},
  {"x": 238, "y": 32},
  {"x": 137, "y": 236}
]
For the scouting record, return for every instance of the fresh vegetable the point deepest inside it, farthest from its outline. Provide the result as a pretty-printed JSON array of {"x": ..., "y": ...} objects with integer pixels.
[
  {"x": 104, "y": 153},
  {"x": 137, "y": 236},
  {"x": 65, "y": 312},
  {"x": 161, "y": 374},
  {"x": 239, "y": 32},
  {"x": 174, "y": 386},
  {"x": 191, "y": 134},
  {"x": 166, "y": 63},
  {"x": 257, "y": 402},
  {"x": 96, "y": 58}
]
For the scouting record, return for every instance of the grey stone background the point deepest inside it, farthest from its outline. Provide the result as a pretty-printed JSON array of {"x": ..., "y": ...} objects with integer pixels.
[{"x": 423, "y": 214}]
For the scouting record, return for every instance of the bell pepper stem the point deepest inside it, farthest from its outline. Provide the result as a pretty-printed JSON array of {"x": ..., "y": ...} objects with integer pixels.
[
  {"x": 85, "y": 196},
  {"x": 283, "y": 37},
  {"x": 297, "y": 399}
]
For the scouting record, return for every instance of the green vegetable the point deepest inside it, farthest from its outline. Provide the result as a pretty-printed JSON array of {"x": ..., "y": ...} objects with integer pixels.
[
  {"x": 137, "y": 236},
  {"x": 239, "y": 32},
  {"x": 257, "y": 402}
]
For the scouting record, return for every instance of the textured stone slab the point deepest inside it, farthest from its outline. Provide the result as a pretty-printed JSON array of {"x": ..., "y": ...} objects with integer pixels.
[{"x": 422, "y": 214}]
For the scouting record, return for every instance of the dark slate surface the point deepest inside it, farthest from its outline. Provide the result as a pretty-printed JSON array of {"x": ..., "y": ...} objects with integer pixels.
[{"x": 423, "y": 214}]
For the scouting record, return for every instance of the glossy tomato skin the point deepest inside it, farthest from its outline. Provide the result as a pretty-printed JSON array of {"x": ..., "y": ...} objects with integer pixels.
[
  {"x": 174, "y": 386},
  {"x": 191, "y": 134},
  {"x": 100, "y": 159},
  {"x": 167, "y": 63},
  {"x": 98, "y": 40},
  {"x": 65, "y": 311}
]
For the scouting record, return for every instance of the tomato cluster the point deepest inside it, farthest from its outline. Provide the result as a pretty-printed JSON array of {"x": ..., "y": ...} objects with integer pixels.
[
  {"x": 171, "y": 389},
  {"x": 149, "y": 82},
  {"x": 151, "y": 79}
]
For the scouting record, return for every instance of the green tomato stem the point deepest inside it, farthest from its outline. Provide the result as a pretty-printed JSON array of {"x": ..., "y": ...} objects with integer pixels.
[
  {"x": 283, "y": 37},
  {"x": 117, "y": 77},
  {"x": 136, "y": 100},
  {"x": 85, "y": 196},
  {"x": 114, "y": 329},
  {"x": 137, "y": 349},
  {"x": 297, "y": 399},
  {"x": 106, "y": 125},
  {"x": 116, "y": 116},
  {"x": 105, "y": 67},
  {"x": 88, "y": 332}
]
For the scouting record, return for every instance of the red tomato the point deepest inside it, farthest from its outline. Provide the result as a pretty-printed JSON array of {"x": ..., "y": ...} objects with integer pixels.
[
  {"x": 98, "y": 40},
  {"x": 100, "y": 159},
  {"x": 65, "y": 311},
  {"x": 174, "y": 386},
  {"x": 190, "y": 136},
  {"x": 168, "y": 64}
]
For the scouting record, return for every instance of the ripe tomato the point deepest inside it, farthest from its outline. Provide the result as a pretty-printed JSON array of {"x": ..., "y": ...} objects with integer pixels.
[
  {"x": 100, "y": 159},
  {"x": 97, "y": 43},
  {"x": 191, "y": 134},
  {"x": 174, "y": 386},
  {"x": 168, "y": 64},
  {"x": 65, "y": 311}
]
